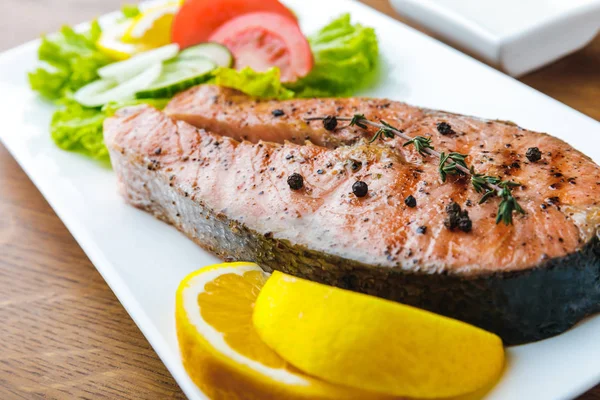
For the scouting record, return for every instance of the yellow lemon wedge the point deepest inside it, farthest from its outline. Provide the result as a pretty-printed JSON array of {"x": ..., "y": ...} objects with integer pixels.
[
  {"x": 153, "y": 26},
  {"x": 110, "y": 42},
  {"x": 372, "y": 344},
  {"x": 222, "y": 352}
]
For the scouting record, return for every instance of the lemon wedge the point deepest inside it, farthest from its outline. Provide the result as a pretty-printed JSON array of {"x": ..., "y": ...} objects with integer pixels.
[
  {"x": 110, "y": 42},
  {"x": 148, "y": 30},
  {"x": 373, "y": 344},
  {"x": 222, "y": 352},
  {"x": 153, "y": 26}
]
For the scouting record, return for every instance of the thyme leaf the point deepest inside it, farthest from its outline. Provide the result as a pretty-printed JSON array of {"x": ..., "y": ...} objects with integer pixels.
[
  {"x": 480, "y": 182},
  {"x": 449, "y": 164},
  {"x": 381, "y": 134},
  {"x": 357, "y": 119},
  {"x": 489, "y": 193},
  {"x": 508, "y": 204},
  {"x": 421, "y": 144}
]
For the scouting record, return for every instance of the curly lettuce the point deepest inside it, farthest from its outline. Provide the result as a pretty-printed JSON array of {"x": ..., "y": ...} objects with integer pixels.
[
  {"x": 259, "y": 84},
  {"x": 69, "y": 60},
  {"x": 79, "y": 129},
  {"x": 345, "y": 57}
]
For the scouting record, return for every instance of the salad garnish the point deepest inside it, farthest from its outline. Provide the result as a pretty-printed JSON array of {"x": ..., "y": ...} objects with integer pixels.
[
  {"x": 91, "y": 73},
  {"x": 68, "y": 61}
]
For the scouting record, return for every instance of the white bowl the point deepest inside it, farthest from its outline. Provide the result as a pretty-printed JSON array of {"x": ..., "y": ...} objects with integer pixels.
[{"x": 516, "y": 36}]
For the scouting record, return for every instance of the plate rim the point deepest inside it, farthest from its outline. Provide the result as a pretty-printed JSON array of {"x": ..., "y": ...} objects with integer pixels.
[{"x": 108, "y": 272}]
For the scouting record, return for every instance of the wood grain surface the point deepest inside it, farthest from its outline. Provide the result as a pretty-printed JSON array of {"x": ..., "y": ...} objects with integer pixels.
[{"x": 63, "y": 333}]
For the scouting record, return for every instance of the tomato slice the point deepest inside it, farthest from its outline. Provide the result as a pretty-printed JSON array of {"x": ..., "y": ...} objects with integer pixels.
[
  {"x": 264, "y": 40},
  {"x": 198, "y": 19}
]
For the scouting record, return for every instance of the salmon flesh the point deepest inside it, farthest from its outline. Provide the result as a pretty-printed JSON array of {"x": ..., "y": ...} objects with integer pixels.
[{"x": 224, "y": 183}]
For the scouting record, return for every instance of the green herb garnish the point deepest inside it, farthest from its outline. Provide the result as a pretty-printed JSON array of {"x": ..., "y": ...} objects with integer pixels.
[{"x": 451, "y": 163}]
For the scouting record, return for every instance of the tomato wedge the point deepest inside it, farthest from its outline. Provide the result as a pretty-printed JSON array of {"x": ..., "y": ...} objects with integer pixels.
[
  {"x": 263, "y": 40},
  {"x": 198, "y": 19}
]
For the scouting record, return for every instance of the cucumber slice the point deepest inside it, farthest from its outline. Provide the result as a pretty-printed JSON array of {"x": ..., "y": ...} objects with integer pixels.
[
  {"x": 104, "y": 91},
  {"x": 178, "y": 75},
  {"x": 121, "y": 71},
  {"x": 214, "y": 51}
]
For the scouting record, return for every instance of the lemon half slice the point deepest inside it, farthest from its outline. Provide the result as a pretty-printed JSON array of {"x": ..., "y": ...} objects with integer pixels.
[{"x": 222, "y": 352}]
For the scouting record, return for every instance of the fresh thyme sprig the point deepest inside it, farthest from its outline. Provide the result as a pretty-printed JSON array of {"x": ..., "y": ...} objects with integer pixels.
[
  {"x": 381, "y": 133},
  {"x": 421, "y": 143},
  {"x": 480, "y": 181},
  {"x": 357, "y": 119},
  {"x": 452, "y": 163},
  {"x": 449, "y": 164}
]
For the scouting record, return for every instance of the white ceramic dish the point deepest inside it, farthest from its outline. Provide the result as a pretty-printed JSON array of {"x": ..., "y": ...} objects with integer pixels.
[
  {"x": 143, "y": 259},
  {"x": 514, "y": 35}
]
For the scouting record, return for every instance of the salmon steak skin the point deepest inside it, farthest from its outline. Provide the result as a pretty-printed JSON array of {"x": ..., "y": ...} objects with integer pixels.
[{"x": 225, "y": 184}]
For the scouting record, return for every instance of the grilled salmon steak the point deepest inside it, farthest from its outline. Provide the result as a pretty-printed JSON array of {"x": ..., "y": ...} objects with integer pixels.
[{"x": 247, "y": 186}]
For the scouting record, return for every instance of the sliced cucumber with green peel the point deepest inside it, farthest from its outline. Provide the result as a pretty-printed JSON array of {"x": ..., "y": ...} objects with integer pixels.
[
  {"x": 103, "y": 91},
  {"x": 214, "y": 51},
  {"x": 177, "y": 75},
  {"x": 123, "y": 70}
]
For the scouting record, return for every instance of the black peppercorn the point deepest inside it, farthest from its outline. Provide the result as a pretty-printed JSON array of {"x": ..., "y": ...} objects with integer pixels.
[
  {"x": 355, "y": 165},
  {"x": 464, "y": 222},
  {"x": 553, "y": 200},
  {"x": 444, "y": 128},
  {"x": 453, "y": 207},
  {"x": 533, "y": 154},
  {"x": 295, "y": 181},
  {"x": 410, "y": 201},
  {"x": 422, "y": 230},
  {"x": 451, "y": 221},
  {"x": 360, "y": 189},
  {"x": 330, "y": 122},
  {"x": 277, "y": 113},
  {"x": 457, "y": 218}
]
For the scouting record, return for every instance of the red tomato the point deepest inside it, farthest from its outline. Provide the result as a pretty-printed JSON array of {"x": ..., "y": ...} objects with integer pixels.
[
  {"x": 198, "y": 19},
  {"x": 263, "y": 40}
]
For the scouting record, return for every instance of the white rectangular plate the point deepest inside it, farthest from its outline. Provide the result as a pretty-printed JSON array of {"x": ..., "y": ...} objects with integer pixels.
[{"x": 143, "y": 259}]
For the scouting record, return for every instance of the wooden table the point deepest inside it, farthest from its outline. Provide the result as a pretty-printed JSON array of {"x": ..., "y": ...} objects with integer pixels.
[{"x": 63, "y": 334}]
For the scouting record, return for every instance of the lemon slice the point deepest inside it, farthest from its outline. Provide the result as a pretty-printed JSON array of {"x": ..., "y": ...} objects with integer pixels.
[
  {"x": 221, "y": 350},
  {"x": 373, "y": 344},
  {"x": 153, "y": 26},
  {"x": 110, "y": 42}
]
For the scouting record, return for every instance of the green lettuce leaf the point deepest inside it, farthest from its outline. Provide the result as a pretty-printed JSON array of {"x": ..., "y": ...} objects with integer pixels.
[
  {"x": 345, "y": 60},
  {"x": 77, "y": 128},
  {"x": 69, "y": 60},
  {"x": 258, "y": 84}
]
